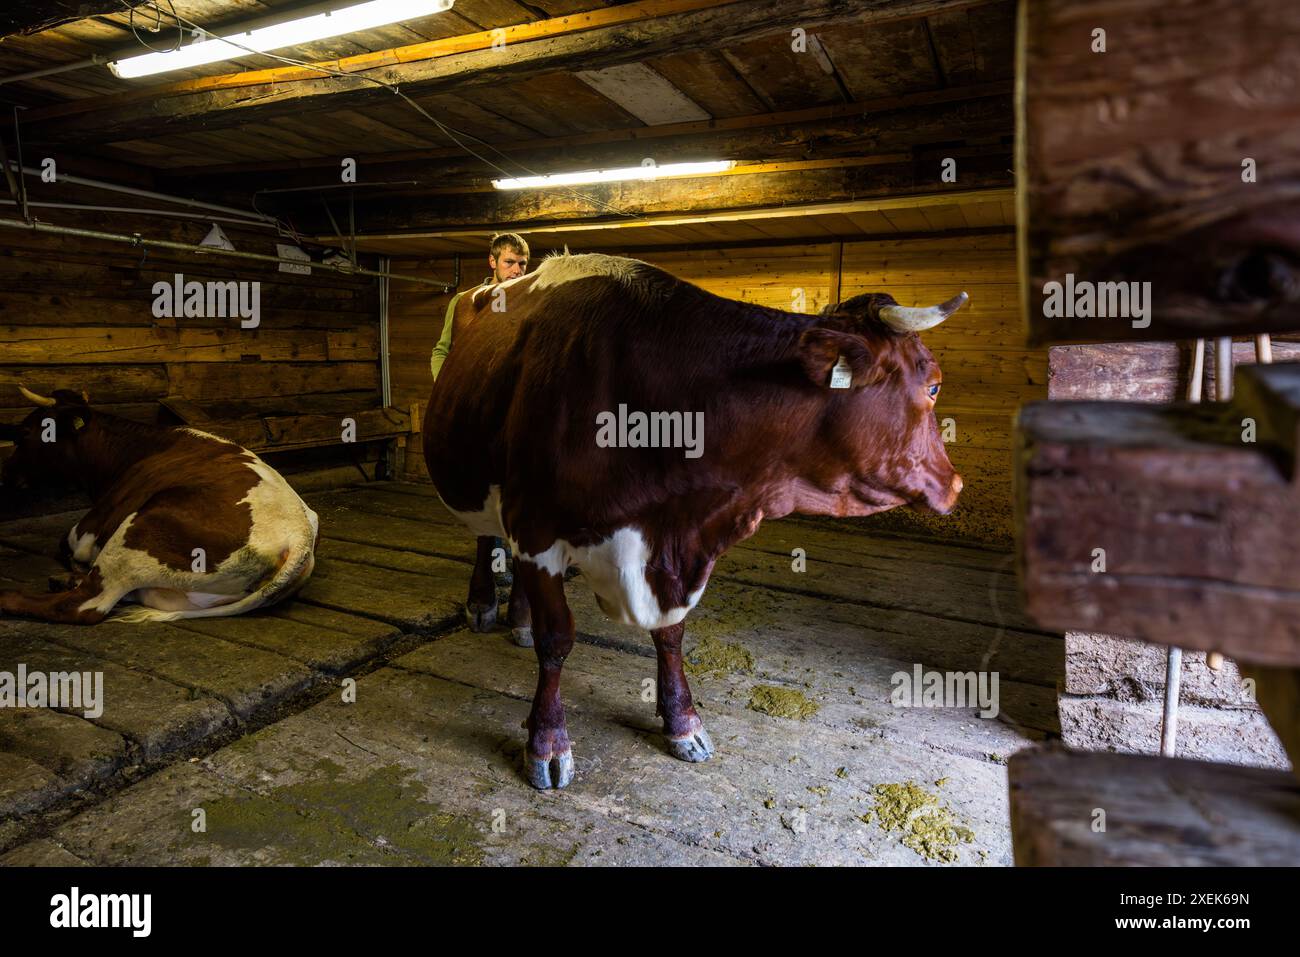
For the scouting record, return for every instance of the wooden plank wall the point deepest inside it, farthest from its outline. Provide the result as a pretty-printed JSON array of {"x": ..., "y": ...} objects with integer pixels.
[
  {"x": 987, "y": 370},
  {"x": 77, "y": 314}
]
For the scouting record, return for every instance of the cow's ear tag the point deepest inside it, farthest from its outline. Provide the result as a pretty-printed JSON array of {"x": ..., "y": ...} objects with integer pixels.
[
  {"x": 78, "y": 423},
  {"x": 842, "y": 374}
]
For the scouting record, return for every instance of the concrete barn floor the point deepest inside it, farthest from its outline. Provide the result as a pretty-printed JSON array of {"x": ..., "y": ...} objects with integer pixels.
[{"x": 229, "y": 741}]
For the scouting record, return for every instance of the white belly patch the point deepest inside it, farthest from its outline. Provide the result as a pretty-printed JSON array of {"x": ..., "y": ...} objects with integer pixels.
[
  {"x": 614, "y": 567},
  {"x": 615, "y": 570},
  {"x": 485, "y": 521}
]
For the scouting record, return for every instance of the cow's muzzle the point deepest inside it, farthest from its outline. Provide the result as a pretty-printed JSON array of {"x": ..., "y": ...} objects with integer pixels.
[
  {"x": 941, "y": 499},
  {"x": 950, "y": 498}
]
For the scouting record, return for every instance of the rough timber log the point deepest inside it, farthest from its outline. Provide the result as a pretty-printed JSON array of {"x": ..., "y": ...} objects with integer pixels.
[
  {"x": 1158, "y": 812},
  {"x": 1176, "y": 524},
  {"x": 1166, "y": 159}
]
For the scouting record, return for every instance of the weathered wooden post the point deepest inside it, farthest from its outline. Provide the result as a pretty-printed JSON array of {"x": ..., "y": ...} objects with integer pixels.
[{"x": 1159, "y": 199}]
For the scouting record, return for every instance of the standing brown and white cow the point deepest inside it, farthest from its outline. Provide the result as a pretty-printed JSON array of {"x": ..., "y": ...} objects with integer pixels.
[
  {"x": 186, "y": 524},
  {"x": 824, "y": 415}
]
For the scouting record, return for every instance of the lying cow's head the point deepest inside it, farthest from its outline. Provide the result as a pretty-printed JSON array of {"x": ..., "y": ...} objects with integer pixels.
[
  {"x": 883, "y": 426},
  {"x": 45, "y": 440}
]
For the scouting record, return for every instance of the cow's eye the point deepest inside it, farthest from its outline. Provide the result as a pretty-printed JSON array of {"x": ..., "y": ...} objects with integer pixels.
[{"x": 933, "y": 390}]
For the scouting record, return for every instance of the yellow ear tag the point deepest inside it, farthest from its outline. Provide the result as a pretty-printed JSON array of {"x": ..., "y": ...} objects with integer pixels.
[
  {"x": 842, "y": 374},
  {"x": 78, "y": 423}
]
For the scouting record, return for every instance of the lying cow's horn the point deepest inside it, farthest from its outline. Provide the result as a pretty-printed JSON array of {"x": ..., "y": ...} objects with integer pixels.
[
  {"x": 35, "y": 399},
  {"x": 917, "y": 318}
]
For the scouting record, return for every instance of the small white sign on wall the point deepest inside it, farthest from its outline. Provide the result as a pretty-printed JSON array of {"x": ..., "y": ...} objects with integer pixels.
[{"x": 293, "y": 252}]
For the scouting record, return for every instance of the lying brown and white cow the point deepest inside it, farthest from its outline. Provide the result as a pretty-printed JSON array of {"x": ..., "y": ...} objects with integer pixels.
[
  {"x": 186, "y": 524},
  {"x": 823, "y": 415}
]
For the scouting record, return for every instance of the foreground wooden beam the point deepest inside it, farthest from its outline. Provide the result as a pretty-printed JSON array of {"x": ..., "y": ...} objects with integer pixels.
[
  {"x": 1175, "y": 524},
  {"x": 597, "y": 38},
  {"x": 1157, "y": 812},
  {"x": 1165, "y": 159}
]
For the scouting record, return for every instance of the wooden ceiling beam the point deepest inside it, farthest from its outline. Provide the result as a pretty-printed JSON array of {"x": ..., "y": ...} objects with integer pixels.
[
  {"x": 598, "y": 38},
  {"x": 959, "y": 197},
  {"x": 639, "y": 199},
  {"x": 33, "y": 16}
]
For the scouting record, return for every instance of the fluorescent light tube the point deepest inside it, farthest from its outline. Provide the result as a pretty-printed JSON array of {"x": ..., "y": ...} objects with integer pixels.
[
  {"x": 319, "y": 26},
  {"x": 614, "y": 175}
]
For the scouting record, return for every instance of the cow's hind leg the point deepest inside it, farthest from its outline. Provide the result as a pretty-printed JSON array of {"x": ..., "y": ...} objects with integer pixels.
[
  {"x": 519, "y": 615},
  {"x": 548, "y": 760},
  {"x": 683, "y": 728},
  {"x": 481, "y": 606}
]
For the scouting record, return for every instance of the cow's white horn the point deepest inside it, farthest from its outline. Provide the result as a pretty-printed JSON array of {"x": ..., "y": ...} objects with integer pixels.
[
  {"x": 35, "y": 399},
  {"x": 920, "y": 318}
]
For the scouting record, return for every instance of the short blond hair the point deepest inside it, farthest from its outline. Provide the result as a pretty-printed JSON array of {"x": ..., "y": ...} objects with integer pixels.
[{"x": 501, "y": 240}]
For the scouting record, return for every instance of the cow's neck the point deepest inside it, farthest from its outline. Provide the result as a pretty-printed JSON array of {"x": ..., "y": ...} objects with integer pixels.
[{"x": 110, "y": 447}]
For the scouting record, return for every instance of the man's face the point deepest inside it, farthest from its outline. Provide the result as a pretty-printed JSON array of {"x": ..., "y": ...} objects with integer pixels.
[{"x": 508, "y": 265}]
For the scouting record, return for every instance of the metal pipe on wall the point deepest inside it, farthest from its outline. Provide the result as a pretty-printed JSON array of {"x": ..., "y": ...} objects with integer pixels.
[
  {"x": 390, "y": 454},
  {"x": 385, "y": 366},
  {"x": 138, "y": 240},
  {"x": 1174, "y": 655},
  {"x": 148, "y": 194},
  {"x": 141, "y": 211},
  {"x": 52, "y": 70}
]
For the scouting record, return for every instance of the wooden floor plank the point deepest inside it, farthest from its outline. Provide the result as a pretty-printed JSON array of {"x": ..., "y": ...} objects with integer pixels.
[
  {"x": 387, "y": 780},
  {"x": 154, "y": 715},
  {"x": 244, "y": 678}
]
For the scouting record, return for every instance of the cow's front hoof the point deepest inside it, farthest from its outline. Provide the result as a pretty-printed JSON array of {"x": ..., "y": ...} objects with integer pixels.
[
  {"x": 694, "y": 747},
  {"x": 523, "y": 637},
  {"x": 480, "y": 617},
  {"x": 553, "y": 772}
]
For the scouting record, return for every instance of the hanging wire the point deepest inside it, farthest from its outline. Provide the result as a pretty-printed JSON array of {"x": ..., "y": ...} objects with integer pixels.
[
  {"x": 450, "y": 132},
  {"x": 157, "y": 26}
]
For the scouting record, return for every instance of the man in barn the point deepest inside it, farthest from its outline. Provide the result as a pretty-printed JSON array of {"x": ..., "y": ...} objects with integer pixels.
[{"x": 508, "y": 259}]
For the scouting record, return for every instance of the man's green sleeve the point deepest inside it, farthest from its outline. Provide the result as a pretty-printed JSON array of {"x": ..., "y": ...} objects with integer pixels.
[{"x": 443, "y": 348}]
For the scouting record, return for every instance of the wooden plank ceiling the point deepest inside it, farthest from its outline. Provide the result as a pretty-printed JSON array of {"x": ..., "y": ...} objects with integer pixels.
[{"x": 848, "y": 108}]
